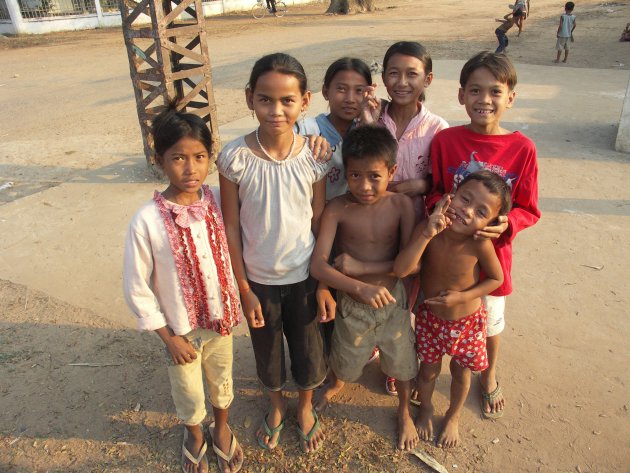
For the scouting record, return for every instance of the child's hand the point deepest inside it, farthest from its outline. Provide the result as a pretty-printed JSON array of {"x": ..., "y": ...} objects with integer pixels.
[
  {"x": 376, "y": 296},
  {"x": 252, "y": 309},
  {"x": 440, "y": 218},
  {"x": 181, "y": 350},
  {"x": 320, "y": 148},
  {"x": 445, "y": 299},
  {"x": 346, "y": 264},
  {"x": 370, "y": 106},
  {"x": 410, "y": 187},
  {"x": 326, "y": 304},
  {"x": 493, "y": 232}
]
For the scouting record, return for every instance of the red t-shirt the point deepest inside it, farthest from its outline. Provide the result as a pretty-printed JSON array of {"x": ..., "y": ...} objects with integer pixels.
[{"x": 458, "y": 151}]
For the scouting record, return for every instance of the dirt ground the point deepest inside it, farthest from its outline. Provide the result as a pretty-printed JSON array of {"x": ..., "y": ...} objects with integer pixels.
[{"x": 70, "y": 141}]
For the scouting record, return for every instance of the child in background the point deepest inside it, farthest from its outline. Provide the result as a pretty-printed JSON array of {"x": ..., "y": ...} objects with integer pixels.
[
  {"x": 521, "y": 6},
  {"x": 506, "y": 23},
  {"x": 407, "y": 72},
  {"x": 487, "y": 83},
  {"x": 452, "y": 319},
  {"x": 178, "y": 282},
  {"x": 273, "y": 191},
  {"x": 344, "y": 87},
  {"x": 565, "y": 31},
  {"x": 371, "y": 225}
]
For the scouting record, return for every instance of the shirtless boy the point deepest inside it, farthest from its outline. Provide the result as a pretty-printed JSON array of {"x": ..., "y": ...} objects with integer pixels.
[
  {"x": 452, "y": 319},
  {"x": 369, "y": 226}
]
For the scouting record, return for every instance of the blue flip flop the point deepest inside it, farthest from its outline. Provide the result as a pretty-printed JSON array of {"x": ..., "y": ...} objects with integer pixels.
[
  {"x": 305, "y": 439},
  {"x": 269, "y": 432}
]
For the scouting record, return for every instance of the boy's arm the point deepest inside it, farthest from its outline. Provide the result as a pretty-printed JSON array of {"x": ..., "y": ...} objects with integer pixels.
[
  {"x": 574, "y": 25},
  {"x": 232, "y": 220},
  {"x": 318, "y": 203},
  {"x": 376, "y": 296},
  {"x": 408, "y": 260},
  {"x": 437, "y": 187},
  {"x": 179, "y": 347},
  {"x": 525, "y": 212},
  {"x": 559, "y": 27},
  {"x": 489, "y": 264}
]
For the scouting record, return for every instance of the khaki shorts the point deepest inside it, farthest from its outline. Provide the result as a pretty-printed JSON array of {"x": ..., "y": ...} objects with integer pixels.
[
  {"x": 359, "y": 328},
  {"x": 562, "y": 43},
  {"x": 214, "y": 363}
]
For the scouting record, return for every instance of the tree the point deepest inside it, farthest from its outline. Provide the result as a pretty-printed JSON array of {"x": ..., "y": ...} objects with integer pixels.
[{"x": 343, "y": 7}]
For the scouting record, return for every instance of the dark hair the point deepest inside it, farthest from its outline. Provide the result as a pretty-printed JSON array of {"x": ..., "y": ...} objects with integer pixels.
[
  {"x": 369, "y": 141},
  {"x": 170, "y": 126},
  {"x": 347, "y": 64},
  {"x": 569, "y": 6},
  {"x": 410, "y": 48},
  {"x": 498, "y": 64},
  {"x": 278, "y": 62},
  {"x": 495, "y": 184}
]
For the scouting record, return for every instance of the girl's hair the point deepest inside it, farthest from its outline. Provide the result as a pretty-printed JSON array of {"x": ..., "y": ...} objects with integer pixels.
[
  {"x": 278, "y": 62},
  {"x": 170, "y": 126},
  {"x": 347, "y": 64},
  {"x": 410, "y": 48}
]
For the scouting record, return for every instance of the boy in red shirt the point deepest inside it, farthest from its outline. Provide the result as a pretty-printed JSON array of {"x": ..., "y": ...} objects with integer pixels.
[{"x": 487, "y": 89}]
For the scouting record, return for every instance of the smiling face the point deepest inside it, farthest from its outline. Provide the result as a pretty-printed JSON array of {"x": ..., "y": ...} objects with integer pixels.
[
  {"x": 368, "y": 178},
  {"x": 277, "y": 102},
  {"x": 485, "y": 99},
  {"x": 345, "y": 94},
  {"x": 186, "y": 165},
  {"x": 405, "y": 79},
  {"x": 475, "y": 207}
]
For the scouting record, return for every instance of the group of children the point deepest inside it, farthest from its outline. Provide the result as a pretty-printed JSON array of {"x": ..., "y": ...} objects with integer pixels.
[
  {"x": 564, "y": 34},
  {"x": 386, "y": 226}
]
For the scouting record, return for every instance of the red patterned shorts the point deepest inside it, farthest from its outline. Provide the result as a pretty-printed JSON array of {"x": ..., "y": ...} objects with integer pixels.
[{"x": 463, "y": 339}]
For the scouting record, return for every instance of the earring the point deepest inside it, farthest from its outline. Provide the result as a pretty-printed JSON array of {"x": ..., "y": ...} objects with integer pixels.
[
  {"x": 303, "y": 114},
  {"x": 252, "y": 114}
]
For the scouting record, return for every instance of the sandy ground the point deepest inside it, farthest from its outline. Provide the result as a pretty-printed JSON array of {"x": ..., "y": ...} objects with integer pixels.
[{"x": 70, "y": 143}]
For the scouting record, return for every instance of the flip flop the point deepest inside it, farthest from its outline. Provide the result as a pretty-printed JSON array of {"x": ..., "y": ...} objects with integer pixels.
[
  {"x": 305, "y": 439},
  {"x": 221, "y": 455},
  {"x": 187, "y": 456},
  {"x": 391, "y": 392},
  {"x": 413, "y": 400},
  {"x": 490, "y": 398},
  {"x": 269, "y": 432}
]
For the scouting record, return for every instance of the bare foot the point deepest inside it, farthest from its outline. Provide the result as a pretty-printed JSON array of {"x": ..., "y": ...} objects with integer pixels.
[
  {"x": 194, "y": 443},
  {"x": 273, "y": 418},
  {"x": 498, "y": 401},
  {"x": 564, "y": 60},
  {"x": 449, "y": 437},
  {"x": 222, "y": 438},
  {"x": 556, "y": 61},
  {"x": 306, "y": 423},
  {"x": 331, "y": 390},
  {"x": 407, "y": 433},
  {"x": 424, "y": 423}
]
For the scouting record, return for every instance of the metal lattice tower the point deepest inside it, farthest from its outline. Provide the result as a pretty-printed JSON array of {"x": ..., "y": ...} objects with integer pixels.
[{"x": 169, "y": 60}]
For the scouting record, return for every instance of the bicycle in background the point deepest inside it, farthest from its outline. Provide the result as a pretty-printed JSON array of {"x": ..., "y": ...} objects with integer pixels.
[{"x": 260, "y": 9}]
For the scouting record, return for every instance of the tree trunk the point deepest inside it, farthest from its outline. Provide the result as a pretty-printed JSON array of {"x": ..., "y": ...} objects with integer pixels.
[{"x": 343, "y": 7}]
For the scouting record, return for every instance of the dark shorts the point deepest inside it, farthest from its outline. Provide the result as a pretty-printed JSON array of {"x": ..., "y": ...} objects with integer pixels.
[{"x": 289, "y": 310}]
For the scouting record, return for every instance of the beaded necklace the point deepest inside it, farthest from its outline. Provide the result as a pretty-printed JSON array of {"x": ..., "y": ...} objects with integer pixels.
[{"x": 271, "y": 158}]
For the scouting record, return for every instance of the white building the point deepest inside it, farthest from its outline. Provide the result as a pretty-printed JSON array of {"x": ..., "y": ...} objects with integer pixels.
[{"x": 45, "y": 16}]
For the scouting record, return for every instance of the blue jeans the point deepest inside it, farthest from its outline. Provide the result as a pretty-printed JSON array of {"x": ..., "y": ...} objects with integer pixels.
[{"x": 503, "y": 40}]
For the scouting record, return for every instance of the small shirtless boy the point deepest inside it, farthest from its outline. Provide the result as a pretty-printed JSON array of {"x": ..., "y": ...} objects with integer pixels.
[
  {"x": 369, "y": 225},
  {"x": 452, "y": 319}
]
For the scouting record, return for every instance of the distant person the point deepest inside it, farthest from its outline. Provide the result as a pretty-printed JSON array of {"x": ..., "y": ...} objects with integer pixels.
[
  {"x": 452, "y": 319},
  {"x": 565, "y": 31},
  {"x": 487, "y": 83},
  {"x": 523, "y": 7},
  {"x": 625, "y": 35},
  {"x": 507, "y": 23},
  {"x": 271, "y": 6},
  {"x": 178, "y": 282}
]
